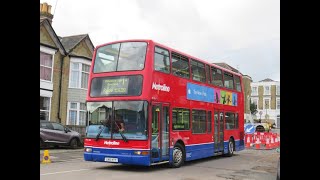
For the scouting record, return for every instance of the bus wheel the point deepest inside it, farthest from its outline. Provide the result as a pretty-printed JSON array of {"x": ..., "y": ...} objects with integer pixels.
[
  {"x": 178, "y": 156},
  {"x": 230, "y": 148}
]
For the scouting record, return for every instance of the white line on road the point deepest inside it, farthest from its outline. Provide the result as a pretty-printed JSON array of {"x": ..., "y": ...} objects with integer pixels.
[{"x": 61, "y": 172}]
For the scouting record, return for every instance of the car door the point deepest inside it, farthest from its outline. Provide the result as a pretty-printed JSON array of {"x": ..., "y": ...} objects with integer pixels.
[
  {"x": 60, "y": 135},
  {"x": 47, "y": 132}
]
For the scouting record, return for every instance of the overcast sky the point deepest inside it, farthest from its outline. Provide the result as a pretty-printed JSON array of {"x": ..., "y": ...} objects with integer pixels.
[{"x": 242, "y": 33}]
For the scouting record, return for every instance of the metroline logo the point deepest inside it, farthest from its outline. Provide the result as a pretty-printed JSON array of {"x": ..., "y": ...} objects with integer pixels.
[
  {"x": 160, "y": 87},
  {"x": 111, "y": 143}
]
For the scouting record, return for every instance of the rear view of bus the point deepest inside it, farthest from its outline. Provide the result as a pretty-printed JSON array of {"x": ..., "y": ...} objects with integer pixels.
[{"x": 118, "y": 111}]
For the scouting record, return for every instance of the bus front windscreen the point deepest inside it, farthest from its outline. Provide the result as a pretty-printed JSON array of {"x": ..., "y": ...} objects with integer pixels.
[
  {"x": 111, "y": 116},
  {"x": 124, "y": 56}
]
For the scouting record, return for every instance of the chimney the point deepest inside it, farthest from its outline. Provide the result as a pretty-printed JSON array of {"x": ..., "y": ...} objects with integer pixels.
[{"x": 45, "y": 12}]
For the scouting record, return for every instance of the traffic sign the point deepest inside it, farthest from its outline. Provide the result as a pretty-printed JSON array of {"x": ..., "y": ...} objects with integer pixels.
[{"x": 249, "y": 129}]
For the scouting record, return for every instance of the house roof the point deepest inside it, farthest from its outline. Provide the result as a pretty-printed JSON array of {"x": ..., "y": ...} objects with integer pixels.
[
  {"x": 225, "y": 65},
  {"x": 267, "y": 80},
  {"x": 70, "y": 42},
  {"x": 45, "y": 22}
]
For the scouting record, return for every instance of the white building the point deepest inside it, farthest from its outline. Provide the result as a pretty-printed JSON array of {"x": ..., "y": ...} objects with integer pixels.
[{"x": 265, "y": 94}]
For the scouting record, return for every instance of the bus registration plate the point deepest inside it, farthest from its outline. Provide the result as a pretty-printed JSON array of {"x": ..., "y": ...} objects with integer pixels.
[{"x": 108, "y": 159}]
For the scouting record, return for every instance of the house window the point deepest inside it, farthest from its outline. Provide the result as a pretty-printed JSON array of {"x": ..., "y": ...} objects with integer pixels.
[
  {"x": 278, "y": 103},
  {"x": 255, "y": 102},
  {"x": 46, "y": 66},
  {"x": 254, "y": 91},
  {"x": 267, "y": 90},
  {"x": 44, "y": 108},
  {"x": 266, "y": 103},
  {"x": 79, "y": 75},
  {"x": 278, "y": 90},
  {"x": 77, "y": 113}
]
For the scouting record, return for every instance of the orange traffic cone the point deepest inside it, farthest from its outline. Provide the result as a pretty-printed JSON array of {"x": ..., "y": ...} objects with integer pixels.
[
  {"x": 248, "y": 142},
  {"x": 268, "y": 143},
  {"x": 276, "y": 142},
  {"x": 272, "y": 141},
  {"x": 257, "y": 144}
]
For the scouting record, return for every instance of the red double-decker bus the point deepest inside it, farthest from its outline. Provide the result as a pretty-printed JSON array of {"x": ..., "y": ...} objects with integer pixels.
[{"x": 150, "y": 104}]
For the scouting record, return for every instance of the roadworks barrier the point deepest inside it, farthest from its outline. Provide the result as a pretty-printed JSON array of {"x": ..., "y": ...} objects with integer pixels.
[{"x": 262, "y": 140}]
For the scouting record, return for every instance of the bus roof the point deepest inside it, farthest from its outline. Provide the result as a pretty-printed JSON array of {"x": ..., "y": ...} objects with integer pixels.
[{"x": 171, "y": 49}]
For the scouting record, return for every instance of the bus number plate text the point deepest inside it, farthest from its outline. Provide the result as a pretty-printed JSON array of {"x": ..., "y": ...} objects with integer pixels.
[{"x": 107, "y": 159}]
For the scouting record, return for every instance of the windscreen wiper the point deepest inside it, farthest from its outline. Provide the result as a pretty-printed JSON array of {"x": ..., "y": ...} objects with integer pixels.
[
  {"x": 123, "y": 137},
  {"x": 98, "y": 135}
]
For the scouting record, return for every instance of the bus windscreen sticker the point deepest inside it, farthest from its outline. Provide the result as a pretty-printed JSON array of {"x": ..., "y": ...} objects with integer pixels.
[{"x": 115, "y": 86}]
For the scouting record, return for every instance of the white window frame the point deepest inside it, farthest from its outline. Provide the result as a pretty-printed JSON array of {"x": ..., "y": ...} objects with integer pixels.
[
  {"x": 49, "y": 105},
  {"x": 278, "y": 92},
  {"x": 78, "y": 113},
  {"x": 264, "y": 90},
  {"x": 80, "y": 61},
  {"x": 255, "y": 99},
  {"x": 252, "y": 92},
  {"x": 51, "y": 52},
  {"x": 277, "y": 103},
  {"x": 264, "y": 104}
]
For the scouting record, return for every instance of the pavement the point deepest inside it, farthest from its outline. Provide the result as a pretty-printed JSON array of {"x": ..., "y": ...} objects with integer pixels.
[{"x": 62, "y": 154}]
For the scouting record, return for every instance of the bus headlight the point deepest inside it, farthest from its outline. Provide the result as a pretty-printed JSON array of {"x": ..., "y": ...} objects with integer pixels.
[{"x": 88, "y": 149}]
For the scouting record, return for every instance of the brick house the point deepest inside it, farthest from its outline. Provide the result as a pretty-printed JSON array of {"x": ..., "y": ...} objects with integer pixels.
[{"x": 64, "y": 69}]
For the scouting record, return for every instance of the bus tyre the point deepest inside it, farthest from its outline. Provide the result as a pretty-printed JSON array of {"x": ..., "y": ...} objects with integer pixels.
[
  {"x": 230, "y": 148},
  {"x": 178, "y": 156}
]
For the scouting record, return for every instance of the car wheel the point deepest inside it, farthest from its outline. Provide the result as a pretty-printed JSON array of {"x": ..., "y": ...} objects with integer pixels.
[
  {"x": 230, "y": 148},
  {"x": 74, "y": 143},
  {"x": 178, "y": 156}
]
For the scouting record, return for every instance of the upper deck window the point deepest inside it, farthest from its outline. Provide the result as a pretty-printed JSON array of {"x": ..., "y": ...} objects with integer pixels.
[
  {"x": 161, "y": 60},
  {"x": 198, "y": 72},
  {"x": 237, "y": 81},
  {"x": 180, "y": 65},
  {"x": 124, "y": 56},
  {"x": 216, "y": 76},
  {"x": 228, "y": 80}
]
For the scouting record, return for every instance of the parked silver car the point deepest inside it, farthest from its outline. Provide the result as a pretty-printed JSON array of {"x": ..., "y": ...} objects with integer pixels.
[{"x": 52, "y": 133}]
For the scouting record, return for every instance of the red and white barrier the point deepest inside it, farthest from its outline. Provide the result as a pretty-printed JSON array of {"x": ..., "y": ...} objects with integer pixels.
[{"x": 264, "y": 140}]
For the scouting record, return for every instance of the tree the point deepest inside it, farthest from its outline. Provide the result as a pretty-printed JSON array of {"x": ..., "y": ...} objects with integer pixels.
[{"x": 253, "y": 108}]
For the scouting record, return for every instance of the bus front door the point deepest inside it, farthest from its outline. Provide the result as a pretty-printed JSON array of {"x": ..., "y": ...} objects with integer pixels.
[
  {"x": 218, "y": 131},
  {"x": 160, "y": 132}
]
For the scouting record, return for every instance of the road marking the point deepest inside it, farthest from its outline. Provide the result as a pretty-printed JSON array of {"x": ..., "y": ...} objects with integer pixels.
[{"x": 61, "y": 172}]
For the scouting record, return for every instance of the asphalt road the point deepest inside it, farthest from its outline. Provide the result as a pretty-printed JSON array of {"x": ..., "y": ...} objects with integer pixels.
[{"x": 244, "y": 165}]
